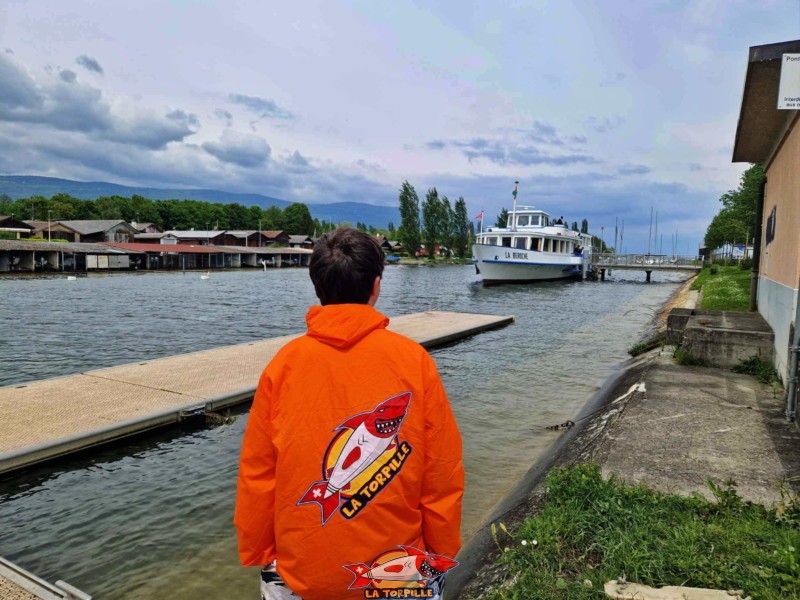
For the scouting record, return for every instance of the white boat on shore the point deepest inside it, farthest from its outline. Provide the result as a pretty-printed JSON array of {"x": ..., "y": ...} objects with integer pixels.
[{"x": 531, "y": 248}]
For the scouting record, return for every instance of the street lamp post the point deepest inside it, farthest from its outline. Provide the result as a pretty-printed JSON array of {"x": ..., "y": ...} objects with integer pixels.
[
  {"x": 602, "y": 243},
  {"x": 48, "y": 225},
  {"x": 259, "y": 233}
]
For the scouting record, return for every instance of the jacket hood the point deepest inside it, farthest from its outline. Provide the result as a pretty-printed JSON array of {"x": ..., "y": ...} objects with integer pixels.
[{"x": 342, "y": 325}]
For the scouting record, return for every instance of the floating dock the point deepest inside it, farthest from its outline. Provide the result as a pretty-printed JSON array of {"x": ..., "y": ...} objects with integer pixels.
[
  {"x": 43, "y": 420},
  {"x": 18, "y": 584}
]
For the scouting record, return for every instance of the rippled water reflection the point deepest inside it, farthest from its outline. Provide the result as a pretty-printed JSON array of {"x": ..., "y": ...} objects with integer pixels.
[{"x": 152, "y": 519}]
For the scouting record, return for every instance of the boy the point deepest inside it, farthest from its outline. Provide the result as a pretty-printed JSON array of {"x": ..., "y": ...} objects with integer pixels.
[{"x": 350, "y": 477}]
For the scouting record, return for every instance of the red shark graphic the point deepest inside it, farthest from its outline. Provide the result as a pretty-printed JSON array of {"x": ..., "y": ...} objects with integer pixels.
[
  {"x": 373, "y": 433},
  {"x": 415, "y": 566}
]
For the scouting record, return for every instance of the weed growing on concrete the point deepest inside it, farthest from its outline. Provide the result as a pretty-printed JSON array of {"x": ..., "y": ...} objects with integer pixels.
[
  {"x": 683, "y": 357},
  {"x": 648, "y": 344},
  {"x": 590, "y": 530},
  {"x": 758, "y": 368}
]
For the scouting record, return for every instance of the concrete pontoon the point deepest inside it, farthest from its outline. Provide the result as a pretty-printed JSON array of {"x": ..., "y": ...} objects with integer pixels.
[{"x": 50, "y": 418}]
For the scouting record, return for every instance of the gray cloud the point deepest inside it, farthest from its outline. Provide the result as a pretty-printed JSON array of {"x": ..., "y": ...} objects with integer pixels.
[
  {"x": 633, "y": 170},
  {"x": 509, "y": 152},
  {"x": 17, "y": 90},
  {"x": 67, "y": 75},
  {"x": 298, "y": 160},
  {"x": 9, "y": 51},
  {"x": 183, "y": 118},
  {"x": 63, "y": 103},
  {"x": 89, "y": 64},
  {"x": 240, "y": 149},
  {"x": 263, "y": 107},
  {"x": 224, "y": 115},
  {"x": 695, "y": 167}
]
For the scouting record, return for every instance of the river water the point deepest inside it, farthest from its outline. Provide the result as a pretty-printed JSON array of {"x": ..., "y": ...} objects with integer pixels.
[{"x": 152, "y": 518}]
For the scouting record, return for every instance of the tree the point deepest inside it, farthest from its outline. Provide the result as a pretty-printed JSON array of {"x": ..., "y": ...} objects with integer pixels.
[
  {"x": 448, "y": 226},
  {"x": 502, "y": 218},
  {"x": 585, "y": 226},
  {"x": 736, "y": 220},
  {"x": 408, "y": 234},
  {"x": 273, "y": 217},
  {"x": 390, "y": 228},
  {"x": 236, "y": 216},
  {"x": 297, "y": 220},
  {"x": 433, "y": 221},
  {"x": 726, "y": 228},
  {"x": 575, "y": 226},
  {"x": 461, "y": 228}
]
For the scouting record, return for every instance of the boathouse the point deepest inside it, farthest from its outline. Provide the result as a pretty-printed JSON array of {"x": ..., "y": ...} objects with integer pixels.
[
  {"x": 23, "y": 256},
  {"x": 770, "y": 135},
  {"x": 18, "y": 229},
  {"x": 94, "y": 230}
]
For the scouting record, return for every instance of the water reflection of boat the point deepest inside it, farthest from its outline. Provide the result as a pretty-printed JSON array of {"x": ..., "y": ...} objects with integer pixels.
[{"x": 530, "y": 248}]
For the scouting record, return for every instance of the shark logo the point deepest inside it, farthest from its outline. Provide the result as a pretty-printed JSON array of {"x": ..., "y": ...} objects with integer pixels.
[
  {"x": 402, "y": 567},
  {"x": 361, "y": 459}
]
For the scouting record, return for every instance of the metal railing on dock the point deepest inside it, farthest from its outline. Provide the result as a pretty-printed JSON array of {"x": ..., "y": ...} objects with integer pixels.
[
  {"x": 43, "y": 420},
  {"x": 643, "y": 262}
]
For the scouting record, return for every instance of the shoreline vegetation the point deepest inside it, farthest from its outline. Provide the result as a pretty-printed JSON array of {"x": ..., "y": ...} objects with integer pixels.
[{"x": 589, "y": 530}]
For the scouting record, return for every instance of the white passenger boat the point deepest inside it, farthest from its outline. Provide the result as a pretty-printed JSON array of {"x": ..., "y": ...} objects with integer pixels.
[{"x": 531, "y": 248}]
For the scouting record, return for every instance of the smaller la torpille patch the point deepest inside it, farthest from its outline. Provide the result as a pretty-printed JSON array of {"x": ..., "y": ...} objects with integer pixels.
[{"x": 403, "y": 572}]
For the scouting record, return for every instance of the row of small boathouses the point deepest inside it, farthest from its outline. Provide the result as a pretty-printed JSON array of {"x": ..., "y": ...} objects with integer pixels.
[{"x": 106, "y": 245}]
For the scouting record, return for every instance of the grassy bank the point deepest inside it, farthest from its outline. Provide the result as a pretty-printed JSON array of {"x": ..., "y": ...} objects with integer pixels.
[
  {"x": 724, "y": 288},
  {"x": 591, "y": 530}
]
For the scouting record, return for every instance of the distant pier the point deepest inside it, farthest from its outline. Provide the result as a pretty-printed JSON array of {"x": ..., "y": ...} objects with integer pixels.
[
  {"x": 644, "y": 262},
  {"x": 54, "y": 417}
]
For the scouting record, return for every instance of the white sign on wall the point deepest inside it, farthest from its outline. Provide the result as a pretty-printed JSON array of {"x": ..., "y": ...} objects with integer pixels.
[{"x": 789, "y": 88}]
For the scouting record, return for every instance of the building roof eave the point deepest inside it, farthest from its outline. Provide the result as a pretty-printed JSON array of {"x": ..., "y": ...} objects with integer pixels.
[{"x": 760, "y": 122}]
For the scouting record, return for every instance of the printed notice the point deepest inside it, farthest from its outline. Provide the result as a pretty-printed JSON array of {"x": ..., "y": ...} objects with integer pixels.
[{"x": 789, "y": 89}]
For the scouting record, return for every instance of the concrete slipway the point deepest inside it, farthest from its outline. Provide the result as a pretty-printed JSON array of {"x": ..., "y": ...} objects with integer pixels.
[{"x": 46, "y": 419}]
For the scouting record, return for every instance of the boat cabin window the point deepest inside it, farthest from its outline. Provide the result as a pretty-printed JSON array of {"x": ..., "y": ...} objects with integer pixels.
[
  {"x": 506, "y": 241},
  {"x": 545, "y": 221},
  {"x": 536, "y": 243},
  {"x": 520, "y": 243},
  {"x": 546, "y": 247},
  {"x": 492, "y": 241},
  {"x": 522, "y": 220},
  {"x": 535, "y": 220}
]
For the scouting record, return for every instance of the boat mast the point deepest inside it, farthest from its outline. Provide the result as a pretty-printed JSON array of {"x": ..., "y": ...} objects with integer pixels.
[{"x": 514, "y": 211}]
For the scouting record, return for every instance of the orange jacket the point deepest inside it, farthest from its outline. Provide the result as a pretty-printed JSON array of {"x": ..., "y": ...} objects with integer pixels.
[{"x": 350, "y": 450}]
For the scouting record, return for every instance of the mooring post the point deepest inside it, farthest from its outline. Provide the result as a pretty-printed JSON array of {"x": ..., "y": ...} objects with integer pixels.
[
  {"x": 648, "y": 276},
  {"x": 602, "y": 274}
]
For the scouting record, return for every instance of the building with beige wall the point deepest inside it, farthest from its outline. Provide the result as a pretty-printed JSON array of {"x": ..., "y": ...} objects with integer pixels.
[{"x": 771, "y": 136}]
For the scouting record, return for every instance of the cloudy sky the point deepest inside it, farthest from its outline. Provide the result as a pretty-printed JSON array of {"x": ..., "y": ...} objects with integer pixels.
[{"x": 600, "y": 109}]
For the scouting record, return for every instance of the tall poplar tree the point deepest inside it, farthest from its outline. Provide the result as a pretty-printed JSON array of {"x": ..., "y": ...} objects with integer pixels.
[
  {"x": 461, "y": 225},
  {"x": 432, "y": 221},
  {"x": 408, "y": 234}
]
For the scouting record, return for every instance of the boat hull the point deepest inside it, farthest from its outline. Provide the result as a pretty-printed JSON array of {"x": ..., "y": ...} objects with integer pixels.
[{"x": 498, "y": 264}]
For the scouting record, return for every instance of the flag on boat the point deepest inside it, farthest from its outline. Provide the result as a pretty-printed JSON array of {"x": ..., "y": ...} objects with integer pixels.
[{"x": 480, "y": 215}]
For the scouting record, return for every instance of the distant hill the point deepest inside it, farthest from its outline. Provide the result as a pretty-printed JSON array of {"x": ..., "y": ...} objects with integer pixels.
[{"x": 24, "y": 186}]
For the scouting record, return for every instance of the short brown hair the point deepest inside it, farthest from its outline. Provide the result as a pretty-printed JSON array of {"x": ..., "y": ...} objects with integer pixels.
[{"x": 344, "y": 266}]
